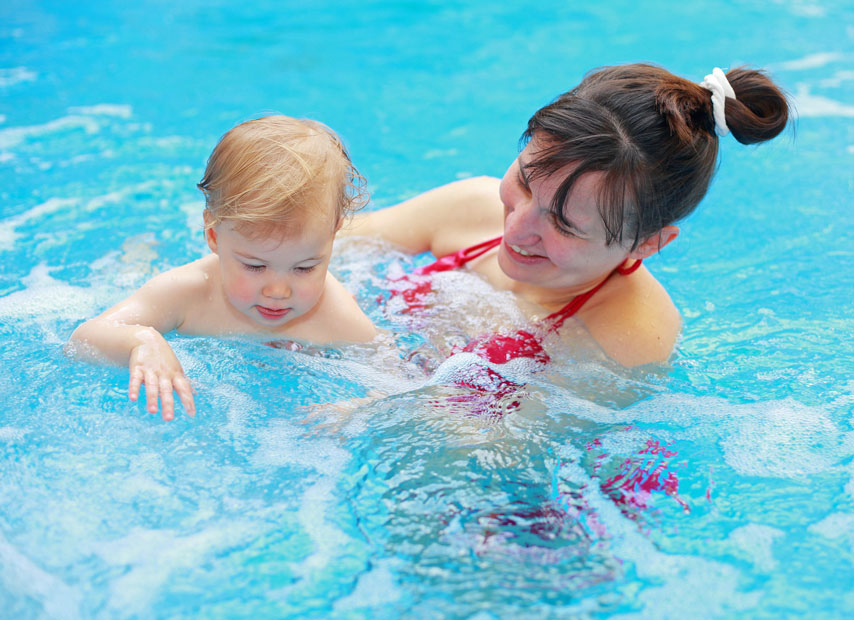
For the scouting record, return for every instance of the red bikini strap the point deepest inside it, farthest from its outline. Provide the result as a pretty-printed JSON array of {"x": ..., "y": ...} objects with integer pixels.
[
  {"x": 624, "y": 271},
  {"x": 557, "y": 318},
  {"x": 467, "y": 254}
]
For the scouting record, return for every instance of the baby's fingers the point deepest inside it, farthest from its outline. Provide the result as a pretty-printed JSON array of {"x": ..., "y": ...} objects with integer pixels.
[
  {"x": 151, "y": 387},
  {"x": 185, "y": 393},
  {"x": 167, "y": 402},
  {"x": 135, "y": 382}
]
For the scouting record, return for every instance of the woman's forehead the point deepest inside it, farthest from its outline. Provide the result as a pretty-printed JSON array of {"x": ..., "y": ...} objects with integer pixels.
[{"x": 581, "y": 206}]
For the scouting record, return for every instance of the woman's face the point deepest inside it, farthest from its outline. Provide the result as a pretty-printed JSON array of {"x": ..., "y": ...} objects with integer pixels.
[{"x": 539, "y": 250}]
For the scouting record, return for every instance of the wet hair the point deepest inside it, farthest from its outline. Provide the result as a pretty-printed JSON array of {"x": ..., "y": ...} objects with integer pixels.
[
  {"x": 270, "y": 173},
  {"x": 652, "y": 136}
]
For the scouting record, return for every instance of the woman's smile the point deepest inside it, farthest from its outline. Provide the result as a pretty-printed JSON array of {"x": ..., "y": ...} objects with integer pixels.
[{"x": 523, "y": 256}]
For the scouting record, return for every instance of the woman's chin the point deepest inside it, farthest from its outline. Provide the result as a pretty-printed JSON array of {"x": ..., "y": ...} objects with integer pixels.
[{"x": 515, "y": 271}]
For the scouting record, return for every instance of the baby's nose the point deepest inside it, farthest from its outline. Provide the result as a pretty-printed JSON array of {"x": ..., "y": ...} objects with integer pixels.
[{"x": 277, "y": 289}]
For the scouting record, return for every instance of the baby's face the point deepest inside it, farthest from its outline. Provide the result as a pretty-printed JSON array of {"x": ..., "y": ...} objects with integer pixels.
[{"x": 274, "y": 280}]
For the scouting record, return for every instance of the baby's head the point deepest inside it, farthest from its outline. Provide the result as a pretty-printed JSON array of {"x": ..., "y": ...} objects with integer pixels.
[
  {"x": 277, "y": 189},
  {"x": 269, "y": 176}
]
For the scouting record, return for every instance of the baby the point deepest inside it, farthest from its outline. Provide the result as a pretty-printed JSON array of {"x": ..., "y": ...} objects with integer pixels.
[{"x": 277, "y": 190}]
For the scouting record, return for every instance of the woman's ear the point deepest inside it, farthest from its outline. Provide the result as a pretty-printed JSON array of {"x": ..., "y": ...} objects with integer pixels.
[{"x": 654, "y": 242}]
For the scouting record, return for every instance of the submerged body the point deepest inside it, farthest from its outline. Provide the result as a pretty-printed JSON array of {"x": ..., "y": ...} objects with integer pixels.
[
  {"x": 608, "y": 169},
  {"x": 277, "y": 191},
  {"x": 632, "y": 319}
]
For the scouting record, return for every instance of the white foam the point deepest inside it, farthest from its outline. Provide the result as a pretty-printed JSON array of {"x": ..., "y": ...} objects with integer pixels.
[
  {"x": 782, "y": 439},
  {"x": 374, "y": 589},
  {"x": 13, "y": 136},
  {"x": 16, "y": 75},
  {"x": 812, "y": 61},
  {"x": 809, "y": 105},
  {"x": 757, "y": 541},
  {"x": 193, "y": 211},
  {"x": 283, "y": 444},
  {"x": 837, "y": 79},
  {"x": 21, "y": 576},
  {"x": 839, "y": 525},
  {"x": 239, "y": 406},
  {"x": 8, "y": 236},
  {"x": 465, "y": 367},
  {"x": 688, "y": 582},
  {"x": 151, "y": 557},
  {"x": 104, "y": 109},
  {"x": 804, "y": 8},
  {"x": 849, "y": 487},
  {"x": 45, "y": 299},
  {"x": 11, "y": 434}
]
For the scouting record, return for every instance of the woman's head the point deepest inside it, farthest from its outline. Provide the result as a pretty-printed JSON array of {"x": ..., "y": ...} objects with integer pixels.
[{"x": 651, "y": 137}]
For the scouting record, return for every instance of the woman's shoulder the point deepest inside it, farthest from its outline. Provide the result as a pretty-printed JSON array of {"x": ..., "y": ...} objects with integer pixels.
[{"x": 634, "y": 320}]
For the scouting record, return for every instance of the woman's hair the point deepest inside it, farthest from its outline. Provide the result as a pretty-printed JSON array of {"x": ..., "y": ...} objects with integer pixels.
[
  {"x": 652, "y": 136},
  {"x": 270, "y": 172}
]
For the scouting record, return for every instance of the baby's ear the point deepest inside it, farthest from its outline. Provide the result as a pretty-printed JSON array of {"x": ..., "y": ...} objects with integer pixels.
[
  {"x": 210, "y": 237},
  {"x": 338, "y": 225},
  {"x": 654, "y": 242},
  {"x": 210, "y": 232}
]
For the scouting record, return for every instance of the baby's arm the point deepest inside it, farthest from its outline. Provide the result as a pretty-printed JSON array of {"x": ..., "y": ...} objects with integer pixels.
[{"x": 130, "y": 333}]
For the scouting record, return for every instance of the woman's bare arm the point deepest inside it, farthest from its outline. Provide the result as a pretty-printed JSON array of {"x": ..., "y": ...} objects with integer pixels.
[{"x": 441, "y": 220}]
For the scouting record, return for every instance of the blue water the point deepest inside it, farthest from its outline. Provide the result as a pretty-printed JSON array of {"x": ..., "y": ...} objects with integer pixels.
[{"x": 277, "y": 502}]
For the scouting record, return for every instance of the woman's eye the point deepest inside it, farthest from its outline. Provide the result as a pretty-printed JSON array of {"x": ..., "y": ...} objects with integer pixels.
[
  {"x": 561, "y": 227},
  {"x": 523, "y": 183},
  {"x": 253, "y": 267}
]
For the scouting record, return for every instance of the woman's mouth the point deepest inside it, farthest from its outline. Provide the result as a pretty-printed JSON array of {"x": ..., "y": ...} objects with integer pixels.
[
  {"x": 520, "y": 255},
  {"x": 272, "y": 314}
]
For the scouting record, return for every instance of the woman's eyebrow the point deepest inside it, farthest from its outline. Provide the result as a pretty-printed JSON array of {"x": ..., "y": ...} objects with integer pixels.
[{"x": 523, "y": 168}]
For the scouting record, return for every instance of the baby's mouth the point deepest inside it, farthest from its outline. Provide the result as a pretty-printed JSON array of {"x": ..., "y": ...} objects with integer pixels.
[{"x": 272, "y": 313}]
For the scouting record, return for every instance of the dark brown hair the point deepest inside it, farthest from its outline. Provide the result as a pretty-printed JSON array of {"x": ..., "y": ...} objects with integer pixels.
[{"x": 652, "y": 134}]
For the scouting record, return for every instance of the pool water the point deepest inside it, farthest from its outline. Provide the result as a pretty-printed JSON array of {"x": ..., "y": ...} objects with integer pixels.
[{"x": 363, "y": 482}]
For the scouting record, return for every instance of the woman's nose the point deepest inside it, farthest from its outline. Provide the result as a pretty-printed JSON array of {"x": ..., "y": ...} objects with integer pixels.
[{"x": 523, "y": 221}]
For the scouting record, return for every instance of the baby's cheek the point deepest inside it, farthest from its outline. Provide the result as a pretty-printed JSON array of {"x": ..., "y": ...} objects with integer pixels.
[
  {"x": 309, "y": 294},
  {"x": 241, "y": 291}
]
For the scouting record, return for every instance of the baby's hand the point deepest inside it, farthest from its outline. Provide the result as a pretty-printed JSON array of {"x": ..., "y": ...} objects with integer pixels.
[{"x": 154, "y": 364}]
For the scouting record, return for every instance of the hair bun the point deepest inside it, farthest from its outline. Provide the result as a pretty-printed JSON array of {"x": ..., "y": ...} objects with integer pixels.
[
  {"x": 685, "y": 106},
  {"x": 760, "y": 110}
]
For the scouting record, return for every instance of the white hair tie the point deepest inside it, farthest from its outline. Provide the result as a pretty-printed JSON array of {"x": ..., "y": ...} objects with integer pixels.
[{"x": 717, "y": 83}]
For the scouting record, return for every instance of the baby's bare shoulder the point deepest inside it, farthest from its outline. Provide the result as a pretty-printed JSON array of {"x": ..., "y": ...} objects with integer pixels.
[
  {"x": 191, "y": 279},
  {"x": 339, "y": 318}
]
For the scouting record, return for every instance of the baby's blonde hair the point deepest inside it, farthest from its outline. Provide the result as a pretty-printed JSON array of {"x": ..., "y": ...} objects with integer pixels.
[{"x": 268, "y": 173}]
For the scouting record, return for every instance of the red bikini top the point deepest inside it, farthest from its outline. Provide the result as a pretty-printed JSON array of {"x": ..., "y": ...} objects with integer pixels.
[{"x": 495, "y": 348}]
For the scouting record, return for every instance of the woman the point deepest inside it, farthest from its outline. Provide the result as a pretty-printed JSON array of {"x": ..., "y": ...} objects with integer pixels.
[{"x": 607, "y": 170}]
